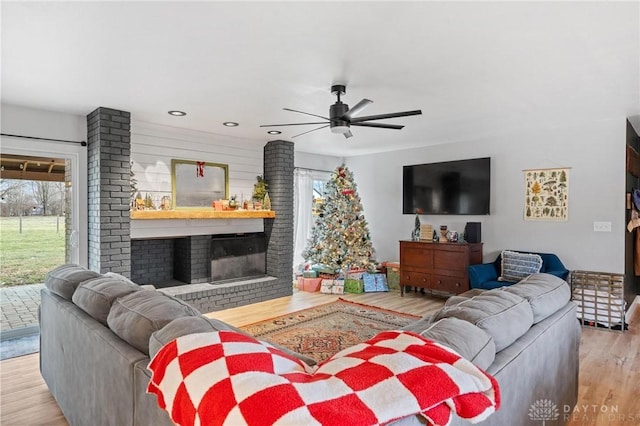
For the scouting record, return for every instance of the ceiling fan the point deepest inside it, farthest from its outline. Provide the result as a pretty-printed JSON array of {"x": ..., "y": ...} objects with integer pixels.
[{"x": 341, "y": 118}]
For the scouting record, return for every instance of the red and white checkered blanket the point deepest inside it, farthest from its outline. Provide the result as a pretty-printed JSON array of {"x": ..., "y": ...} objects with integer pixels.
[{"x": 227, "y": 378}]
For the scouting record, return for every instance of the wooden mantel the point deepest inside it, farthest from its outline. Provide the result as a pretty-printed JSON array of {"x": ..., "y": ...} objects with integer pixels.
[{"x": 202, "y": 214}]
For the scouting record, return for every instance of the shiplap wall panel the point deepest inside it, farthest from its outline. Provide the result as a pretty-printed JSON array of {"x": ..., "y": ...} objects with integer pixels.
[{"x": 152, "y": 149}]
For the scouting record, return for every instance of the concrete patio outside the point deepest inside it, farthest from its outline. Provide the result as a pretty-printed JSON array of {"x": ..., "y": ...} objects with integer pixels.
[{"x": 19, "y": 310}]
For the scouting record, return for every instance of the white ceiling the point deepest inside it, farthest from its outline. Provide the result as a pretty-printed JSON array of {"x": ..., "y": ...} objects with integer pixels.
[{"x": 475, "y": 69}]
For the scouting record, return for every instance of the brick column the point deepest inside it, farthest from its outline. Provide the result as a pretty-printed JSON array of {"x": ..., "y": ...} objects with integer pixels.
[
  {"x": 278, "y": 172},
  {"x": 109, "y": 153}
]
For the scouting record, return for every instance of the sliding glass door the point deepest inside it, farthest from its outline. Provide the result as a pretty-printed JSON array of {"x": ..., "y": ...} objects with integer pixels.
[{"x": 73, "y": 187}]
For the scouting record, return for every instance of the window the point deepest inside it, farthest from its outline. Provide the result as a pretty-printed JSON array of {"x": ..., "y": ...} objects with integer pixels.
[{"x": 309, "y": 188}]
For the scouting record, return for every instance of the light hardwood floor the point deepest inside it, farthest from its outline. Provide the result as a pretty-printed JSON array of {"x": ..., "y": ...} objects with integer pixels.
[{"x": 609, "y": 364}]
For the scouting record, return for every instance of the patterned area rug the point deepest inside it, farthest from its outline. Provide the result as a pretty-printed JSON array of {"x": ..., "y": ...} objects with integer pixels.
[{"x": 324, "y": 330}]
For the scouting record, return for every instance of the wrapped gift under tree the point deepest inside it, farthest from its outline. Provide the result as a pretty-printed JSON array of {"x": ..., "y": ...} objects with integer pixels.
[
  {"x": 393, "y": 276},
  {"x": 374, "y": 283},
  {"x": 353, "y": 282},
  {"x": 309, "y": 284},
  {"x": 332, "y": 286}
]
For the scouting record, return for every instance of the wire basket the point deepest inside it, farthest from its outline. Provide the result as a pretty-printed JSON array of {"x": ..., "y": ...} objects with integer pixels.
[{"x": 600, "y": 299}]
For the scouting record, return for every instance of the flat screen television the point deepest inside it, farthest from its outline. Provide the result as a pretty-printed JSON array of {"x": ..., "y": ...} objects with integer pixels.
[{"x": 452, "y": 187}]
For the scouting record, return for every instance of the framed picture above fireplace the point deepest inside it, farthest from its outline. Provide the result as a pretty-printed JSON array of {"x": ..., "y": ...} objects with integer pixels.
[{"x": 196, "y": 184}]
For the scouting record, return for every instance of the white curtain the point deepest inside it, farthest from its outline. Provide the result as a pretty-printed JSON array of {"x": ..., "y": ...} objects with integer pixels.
[{"x": 302, "y": 210}]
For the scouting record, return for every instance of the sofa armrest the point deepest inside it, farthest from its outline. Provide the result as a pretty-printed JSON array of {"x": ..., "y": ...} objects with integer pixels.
[{"x": 481, "y": 273}]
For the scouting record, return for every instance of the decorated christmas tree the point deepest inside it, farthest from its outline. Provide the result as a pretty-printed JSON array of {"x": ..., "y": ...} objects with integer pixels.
[{"x": 340, "y": 237}]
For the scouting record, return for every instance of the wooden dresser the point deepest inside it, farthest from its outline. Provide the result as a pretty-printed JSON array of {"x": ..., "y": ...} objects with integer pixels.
[{"x": 437, "y": 266}]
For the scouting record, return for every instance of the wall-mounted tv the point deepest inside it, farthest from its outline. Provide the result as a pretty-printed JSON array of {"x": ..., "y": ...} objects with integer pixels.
[{"x": 451, "y": 187}]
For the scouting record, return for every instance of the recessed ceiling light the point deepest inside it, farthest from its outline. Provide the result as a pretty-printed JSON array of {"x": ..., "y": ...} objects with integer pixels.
[
  {"x": 230, "y": 124},
  {"x": 177, "y": 113},
  {"x": 274, "y": 132}
]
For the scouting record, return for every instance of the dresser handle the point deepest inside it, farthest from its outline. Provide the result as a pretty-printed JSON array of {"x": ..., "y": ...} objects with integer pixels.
[
  {"x": 424, "y": 280},
  {"x": 439, "y": 282},
  {"x": 457, "y": 284}
]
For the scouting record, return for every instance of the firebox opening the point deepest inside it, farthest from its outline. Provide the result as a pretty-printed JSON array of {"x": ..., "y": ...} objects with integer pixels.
[{"x": 238, "y": 256}]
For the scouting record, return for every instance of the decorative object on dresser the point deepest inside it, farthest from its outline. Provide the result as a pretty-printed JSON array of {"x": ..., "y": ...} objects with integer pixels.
[
  {"x": 426, "y": 232},
  {"x": 437, "y": 266},
  {"x": 473, "y": 232},
  {"x": 415, "y": 235},
  {"x": 443, "y": 233}
]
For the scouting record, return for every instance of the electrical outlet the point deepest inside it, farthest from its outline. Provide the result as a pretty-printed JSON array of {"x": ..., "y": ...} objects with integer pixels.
[{"x": 601, "y": 226}]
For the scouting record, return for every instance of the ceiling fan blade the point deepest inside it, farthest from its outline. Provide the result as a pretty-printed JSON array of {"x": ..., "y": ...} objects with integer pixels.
[
  {"x": 309, "y": 131},
  {"x": 381, "y": 126},
  {"x": 306, "y": 113},
  {"x": 357, "y": 109},
  {"x": 291, "y": 124},
  {"x": 348, "y": 134},
  {"x": 383, "y": 116}
]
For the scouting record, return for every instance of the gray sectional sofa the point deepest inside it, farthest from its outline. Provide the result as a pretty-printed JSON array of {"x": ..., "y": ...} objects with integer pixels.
[{"x": 97, "y": 333}]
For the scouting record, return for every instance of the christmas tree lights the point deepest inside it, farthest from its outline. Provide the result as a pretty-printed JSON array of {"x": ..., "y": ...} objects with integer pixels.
[{"x": 340, "y": 238}]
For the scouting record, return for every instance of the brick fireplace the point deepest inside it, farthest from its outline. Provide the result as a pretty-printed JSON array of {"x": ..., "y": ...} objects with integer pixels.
[
  {"x": 214, "y": 259},
  {"x": 185, "y": 260}
]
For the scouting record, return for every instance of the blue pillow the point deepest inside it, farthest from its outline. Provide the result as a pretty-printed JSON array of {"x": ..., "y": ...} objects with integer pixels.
[{"x": 516, "y": 266}]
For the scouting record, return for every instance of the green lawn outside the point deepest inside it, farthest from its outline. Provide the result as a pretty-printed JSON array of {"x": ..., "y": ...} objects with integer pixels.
[{"x": 25, "y": 258}]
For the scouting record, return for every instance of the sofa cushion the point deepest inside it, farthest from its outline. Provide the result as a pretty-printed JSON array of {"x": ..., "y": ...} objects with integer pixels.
[
  {"x": 201, "y": 324},
  {"x": 136, "y": 316},
  {"x": 64, "y": 279},
  {"x": 458, "y": 298},
  {"x": 545, "y": 293},
  {"x": 118, "y": 277},
  {"x": 464, "y": 338},
  {"x": 420, "y": 325},
  {"x": 96, "y": 296},
  {"x": 516, "y": 266},
  {"x": 502, "y": 315}
]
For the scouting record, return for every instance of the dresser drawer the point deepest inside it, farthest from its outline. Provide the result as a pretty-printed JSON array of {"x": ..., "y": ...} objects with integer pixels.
[
  {"x": 416, "y": 256},
  {"x": 451, "y": 263},
  {"x": 449, "y": 284},
  {"x": 415, "y": 279}
]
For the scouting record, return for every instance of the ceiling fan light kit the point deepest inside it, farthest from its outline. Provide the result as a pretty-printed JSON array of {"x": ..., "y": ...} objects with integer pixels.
[{"x": 341, "y": 118}]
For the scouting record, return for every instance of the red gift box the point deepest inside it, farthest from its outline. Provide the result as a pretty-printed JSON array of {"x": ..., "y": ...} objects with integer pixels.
[{"x": 309, "y": 284}]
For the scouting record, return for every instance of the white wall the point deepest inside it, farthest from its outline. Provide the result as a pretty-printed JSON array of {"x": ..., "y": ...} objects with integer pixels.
[
  {"x": 594, "y": 151},
  {"x": 307, "y": 160},
  {"x": 152, "y": 149},
  {"x": 18, "y": 120}
]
